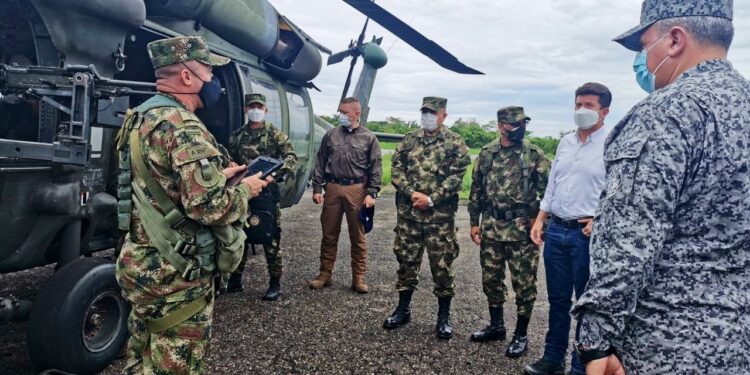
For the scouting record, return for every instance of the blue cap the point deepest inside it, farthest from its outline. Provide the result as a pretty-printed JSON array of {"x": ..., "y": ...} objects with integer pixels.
[
  {"x": 367, "y": 217},
  {"x": 657, "y": 10}
]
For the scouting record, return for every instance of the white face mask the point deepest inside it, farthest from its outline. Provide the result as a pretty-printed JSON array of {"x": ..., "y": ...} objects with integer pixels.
[
  {"x": 586, "y": 118},
  {"x": 429, "y": 121},
  {"x": 344, "y": 120},
  {"x": 256, "y": 114}
]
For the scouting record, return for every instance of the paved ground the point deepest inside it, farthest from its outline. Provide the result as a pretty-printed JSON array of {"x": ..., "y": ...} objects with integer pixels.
[{"x": 334, "y": 330}]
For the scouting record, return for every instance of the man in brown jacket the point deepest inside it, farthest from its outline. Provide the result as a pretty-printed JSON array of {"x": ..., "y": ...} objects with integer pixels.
[{"x": 348, "y": 166}]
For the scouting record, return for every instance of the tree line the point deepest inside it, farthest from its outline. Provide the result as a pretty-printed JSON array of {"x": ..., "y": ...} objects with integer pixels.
[{"x": 474, "y": 134}]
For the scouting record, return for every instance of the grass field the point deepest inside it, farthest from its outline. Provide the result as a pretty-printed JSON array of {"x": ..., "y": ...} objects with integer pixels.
[{"x": 387, "y": 187}]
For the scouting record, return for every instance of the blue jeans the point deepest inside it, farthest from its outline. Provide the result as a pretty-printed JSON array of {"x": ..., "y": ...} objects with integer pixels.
[{"x": 566, "y": 263}]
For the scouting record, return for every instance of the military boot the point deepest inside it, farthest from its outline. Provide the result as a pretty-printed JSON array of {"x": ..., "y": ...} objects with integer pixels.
[
  {"x": 323, "y": 280},
  {"x": 443, "y": 328},
  {"x": 493, "y": 332},
  {"x": 235, "y": 283},
  {"x": 402, "y": 314},
  {"x": 520, "y": 342},
  {"x": 274, "y": 289},
  {"x": 359, "y": 285}
]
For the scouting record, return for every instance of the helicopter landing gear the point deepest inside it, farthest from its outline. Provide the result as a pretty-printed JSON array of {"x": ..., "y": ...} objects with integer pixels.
[{"x": 78, "y": 323}]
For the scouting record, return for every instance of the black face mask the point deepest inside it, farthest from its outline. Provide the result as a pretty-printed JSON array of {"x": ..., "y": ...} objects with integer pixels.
[
  {"x": 210, "y": 92},
  {"x": 516, "y": 136}
]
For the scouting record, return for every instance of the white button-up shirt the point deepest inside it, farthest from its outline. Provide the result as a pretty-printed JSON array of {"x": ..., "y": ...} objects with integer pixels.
[{"x": 577, "y": 177}]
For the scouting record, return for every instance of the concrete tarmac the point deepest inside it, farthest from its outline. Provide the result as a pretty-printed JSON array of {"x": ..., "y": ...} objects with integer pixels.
[{"x": 335, "y": 330}]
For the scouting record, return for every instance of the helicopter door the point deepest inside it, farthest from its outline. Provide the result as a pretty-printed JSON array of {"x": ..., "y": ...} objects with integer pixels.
[{"x": 301, "y": 133}]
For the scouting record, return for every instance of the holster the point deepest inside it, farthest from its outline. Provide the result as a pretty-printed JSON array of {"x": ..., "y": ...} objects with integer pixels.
[{"x": 261, "y": 227}]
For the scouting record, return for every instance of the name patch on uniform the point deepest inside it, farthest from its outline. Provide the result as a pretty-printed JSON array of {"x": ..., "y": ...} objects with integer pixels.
[{"x": 200, "y": 152}]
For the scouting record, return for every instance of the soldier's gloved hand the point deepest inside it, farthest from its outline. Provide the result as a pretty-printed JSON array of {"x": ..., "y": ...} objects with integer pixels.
[
  {"x": 474, "y": 234},
  {"x": 317, "y": 198},
  {"x": 536, "y": 232},
  {"x": 420, "y": 201},
  {"x": 233, "y": 170},
  {"x": 255, "y": 183}
]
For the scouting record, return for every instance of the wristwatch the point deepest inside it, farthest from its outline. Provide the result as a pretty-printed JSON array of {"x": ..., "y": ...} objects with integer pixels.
[
  {"x": 374, "y": 195},
  {"x": 587, "y": 355}
]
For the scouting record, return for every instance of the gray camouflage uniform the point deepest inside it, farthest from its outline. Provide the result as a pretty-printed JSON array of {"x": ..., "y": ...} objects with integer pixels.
[{"x": 670, "y": 253}]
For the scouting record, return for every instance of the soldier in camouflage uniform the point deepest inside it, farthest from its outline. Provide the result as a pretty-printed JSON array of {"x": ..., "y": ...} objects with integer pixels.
[
  {"x": 260, "y": 138},
  {"x": 670, "y": 252},
  {"x": 427, "y": 171},
  {"x": 509, "y": 177},
  {"x": 170, "y": 293}
]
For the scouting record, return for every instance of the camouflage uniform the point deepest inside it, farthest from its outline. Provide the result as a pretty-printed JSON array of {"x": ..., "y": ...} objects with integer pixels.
[
  {"x": 670, "y": 251},
  {"x": 186, "y": 161},
  {"x": 245, "y": 145},
  {"x": 508, "y": 180},
  {"x": 433, "y": 165}
]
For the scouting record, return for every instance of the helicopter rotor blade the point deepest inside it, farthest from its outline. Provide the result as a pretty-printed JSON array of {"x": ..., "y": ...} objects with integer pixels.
[
  {"x": 361, "y": 38},
  {"x": 412, "y": 37},
  {"x": 349, "y": 78},
  {"x": 340, "y": 56}
]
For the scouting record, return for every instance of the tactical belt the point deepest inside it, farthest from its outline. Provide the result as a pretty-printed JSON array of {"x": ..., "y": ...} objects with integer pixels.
[
  {"x": 346, "y": 181},
  {"x": 507, "y": 214},
  {"x": 568, "y": 223},
  {"x": 180, "y": 315}
]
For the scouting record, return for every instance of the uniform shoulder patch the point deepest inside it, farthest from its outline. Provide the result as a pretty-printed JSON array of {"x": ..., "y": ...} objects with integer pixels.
[{"x": 612, "y": 186}]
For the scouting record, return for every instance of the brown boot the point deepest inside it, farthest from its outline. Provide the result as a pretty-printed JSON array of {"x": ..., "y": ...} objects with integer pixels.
[
  {"x": 358, "y": 284},
  {"x": 323, "y": 280}
]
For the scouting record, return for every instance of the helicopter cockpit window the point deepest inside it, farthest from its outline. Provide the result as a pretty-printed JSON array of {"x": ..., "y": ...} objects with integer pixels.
[{"x": 299, "y": 121}]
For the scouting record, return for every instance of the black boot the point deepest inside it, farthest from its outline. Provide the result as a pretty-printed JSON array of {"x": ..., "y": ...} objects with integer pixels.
[
  {"x": 402, "y": 314},
  {"x": 274, "y": 289},
  {"x": 519, "y": 344},
  {"x": 235, "y": 283},
  {"x": 443, "y": 328},
  {"x": 493, "y": 332},
  {"x": 545, "y": 367}
]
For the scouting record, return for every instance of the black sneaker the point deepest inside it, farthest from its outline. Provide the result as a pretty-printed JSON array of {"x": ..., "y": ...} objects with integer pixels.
[{"x": 545, "y": 367}]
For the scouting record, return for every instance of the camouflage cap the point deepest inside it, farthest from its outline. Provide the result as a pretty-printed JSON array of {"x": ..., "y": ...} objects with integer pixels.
[
  {"x": 181, "y": 49},
  {"x": 511, "y": 115},
  {"x": 434, "y": 103},
  {"x": 656, "y": 10},
  {"x": 255, "y": 98}
]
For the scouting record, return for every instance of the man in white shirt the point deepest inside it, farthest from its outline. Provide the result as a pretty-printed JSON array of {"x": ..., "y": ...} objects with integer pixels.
[{"x": 575, "y": 183}]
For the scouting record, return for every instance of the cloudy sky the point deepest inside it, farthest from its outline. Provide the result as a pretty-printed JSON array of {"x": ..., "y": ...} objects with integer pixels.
[{"x": 534, "y": 53}]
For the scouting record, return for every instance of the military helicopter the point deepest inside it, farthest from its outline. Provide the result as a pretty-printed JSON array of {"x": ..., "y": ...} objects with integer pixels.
[{"x": 69, "y": 72}]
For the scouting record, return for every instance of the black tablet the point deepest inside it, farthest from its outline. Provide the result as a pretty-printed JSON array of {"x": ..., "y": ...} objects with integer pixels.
[{"x": 262, "y": 164}]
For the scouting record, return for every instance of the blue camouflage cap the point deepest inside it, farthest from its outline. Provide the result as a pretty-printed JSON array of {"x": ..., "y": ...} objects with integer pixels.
[
  {"x": 367, "y": 216},
  {"x": 657, "y": 10}
]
